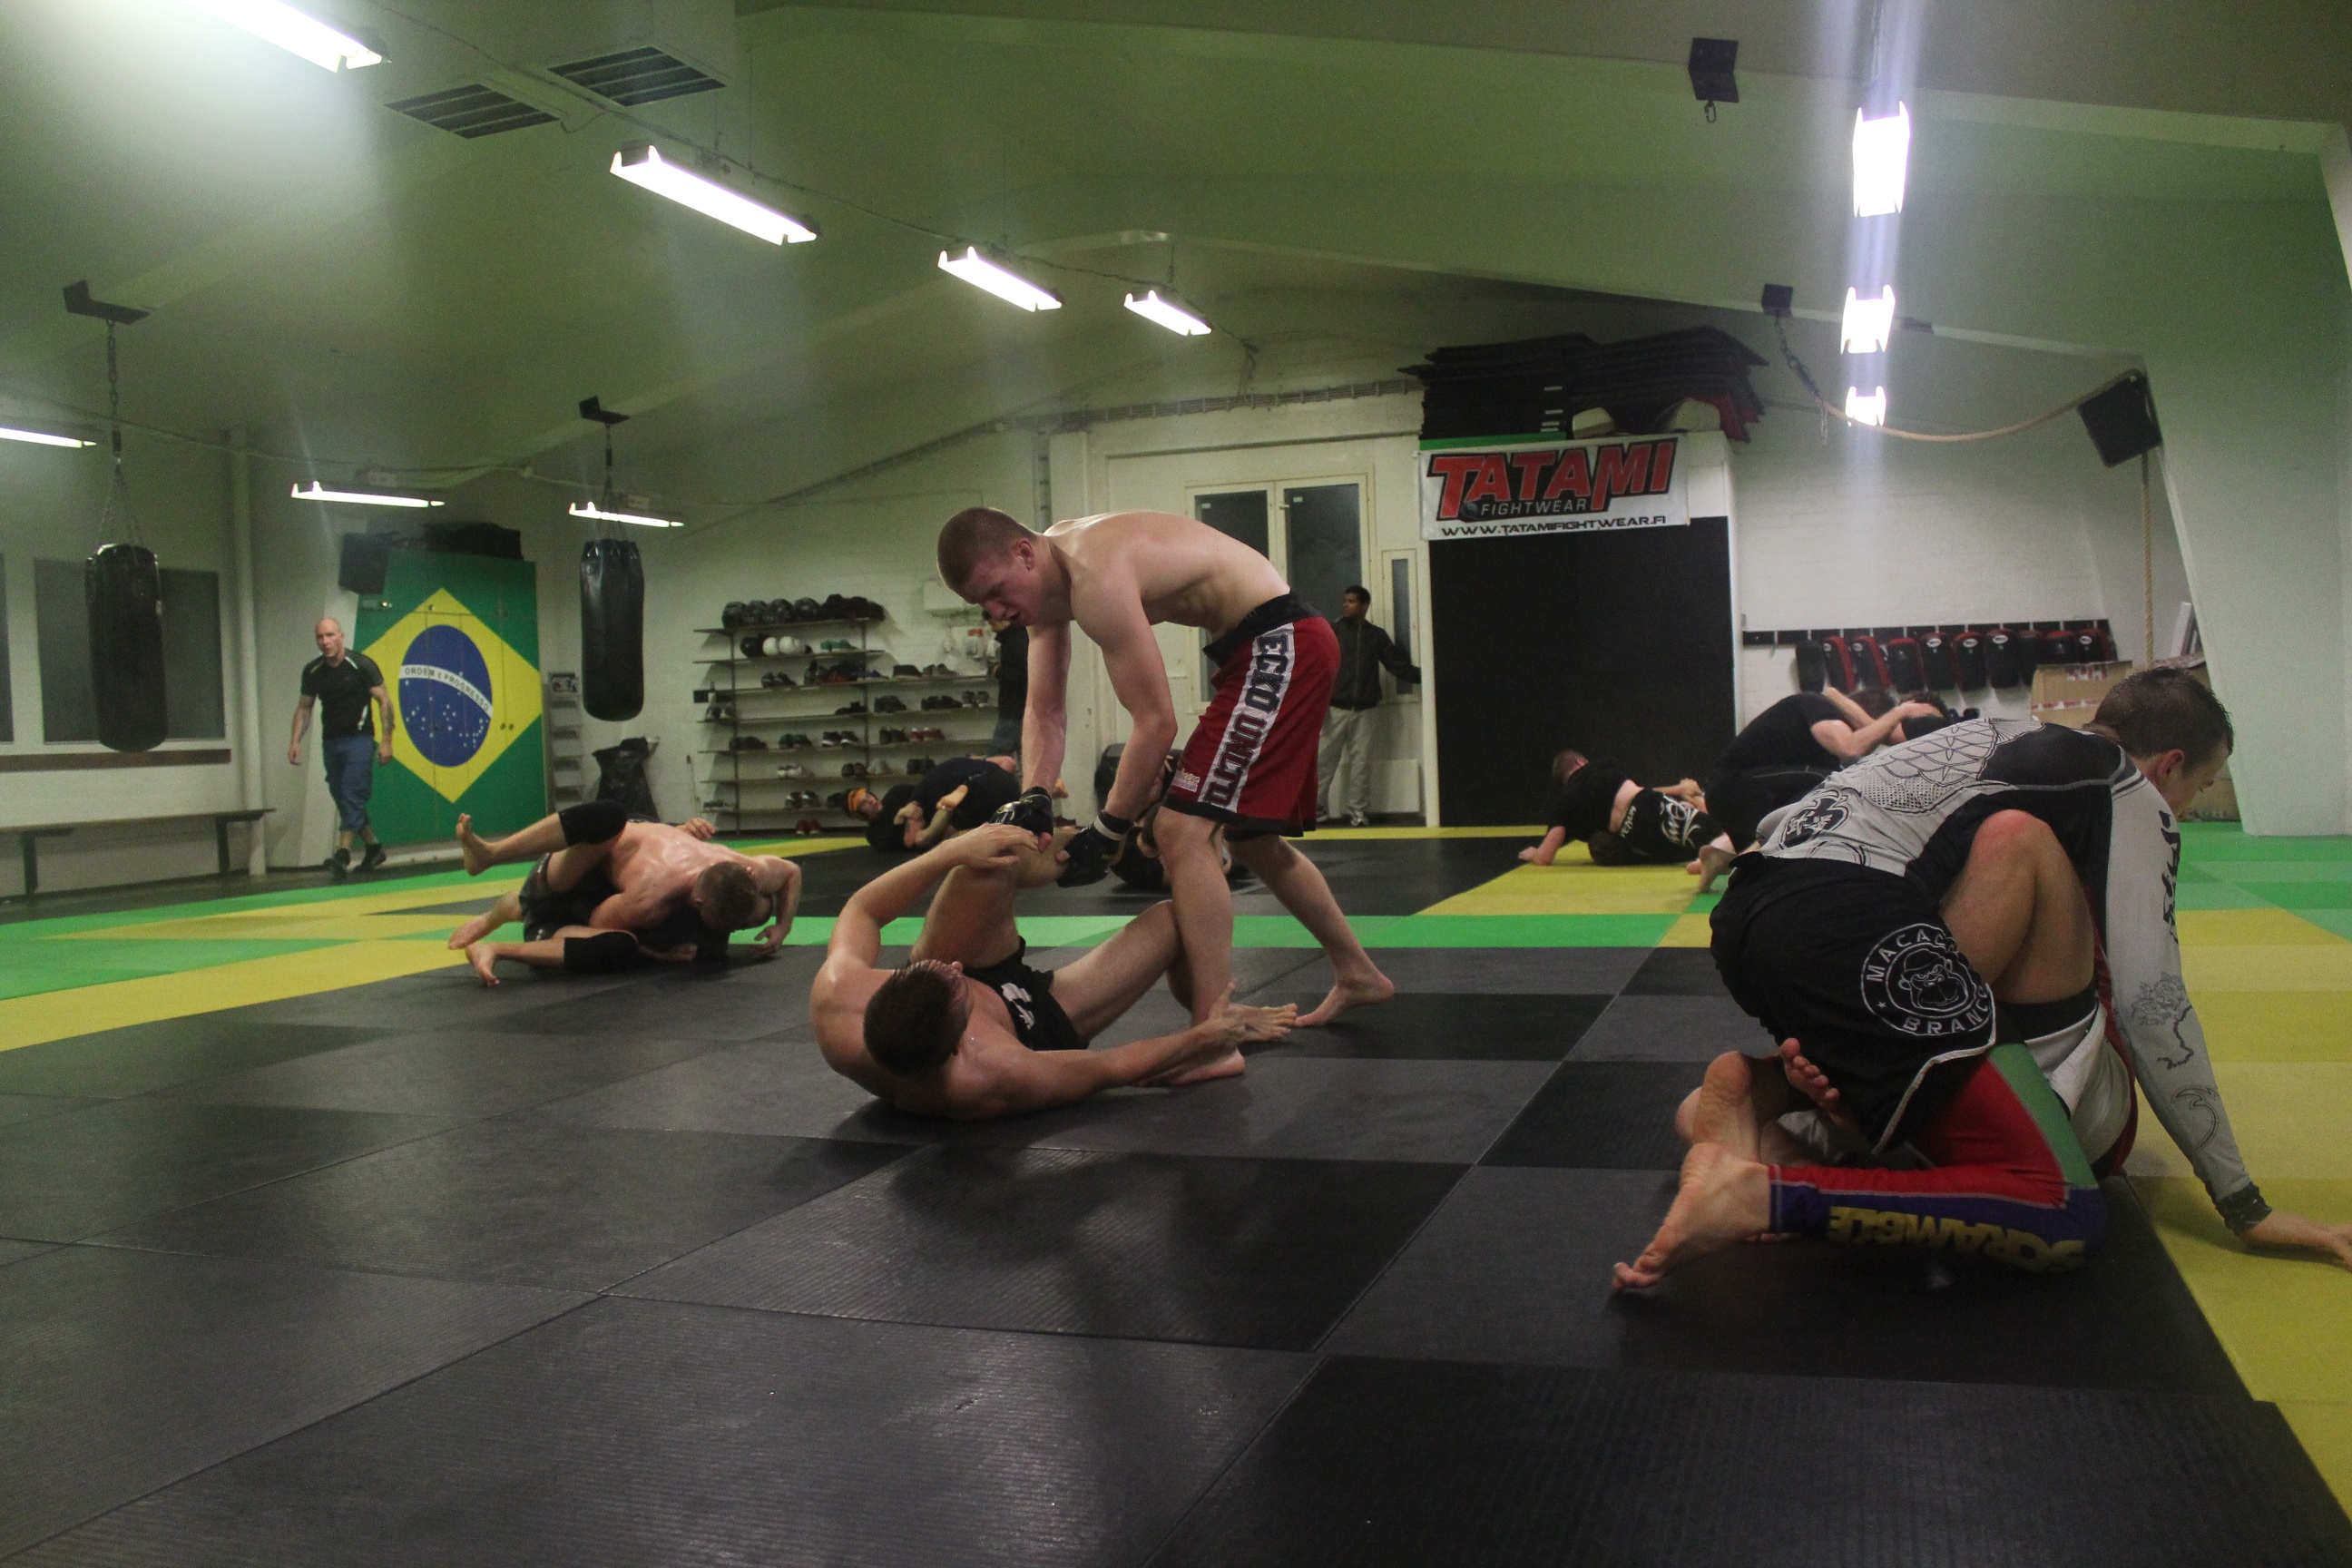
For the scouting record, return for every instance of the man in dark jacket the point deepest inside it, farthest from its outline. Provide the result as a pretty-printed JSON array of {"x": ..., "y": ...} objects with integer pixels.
[{"x": 1346, "y": 757}]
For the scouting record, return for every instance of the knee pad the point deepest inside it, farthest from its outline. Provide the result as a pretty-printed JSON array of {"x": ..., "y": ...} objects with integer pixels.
[
  {"x": 593, "y": 821},
  {"x": 599, "y": 954}
]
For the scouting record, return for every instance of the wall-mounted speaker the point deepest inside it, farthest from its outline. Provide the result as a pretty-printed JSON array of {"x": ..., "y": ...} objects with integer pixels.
[{"x": 2122, "y": 420}]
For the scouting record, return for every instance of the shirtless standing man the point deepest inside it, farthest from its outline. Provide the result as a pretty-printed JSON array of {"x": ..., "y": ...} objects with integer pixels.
[
  {"x": 607, "y": 890},
  {"x": 967, "y": 1029},
  {"x": 1249, "y": 766}
]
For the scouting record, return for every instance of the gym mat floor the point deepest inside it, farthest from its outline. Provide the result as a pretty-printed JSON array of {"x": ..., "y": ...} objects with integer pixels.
[{"x": 315, "y": 1251}]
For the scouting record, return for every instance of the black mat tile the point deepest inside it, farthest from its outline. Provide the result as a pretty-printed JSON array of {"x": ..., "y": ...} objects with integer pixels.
[
  {"x": 1296, "y": 1108},
  {"x": 17, "y": 1251},
  {"x": 1515, "y": 1266},
  {"x": 69, "y": 1177},
  {"x": 1223, "y": 1251},
  {"x": 149, "y": 1056},
  {"x": 1671, "y": 1029},
  {"x": 636, "y": 1433},
  {"x": 1676, "y": 972},
  {"x": 457, "y": 911},
  {"x": 739, "y": 1002},
  {"x": 779, "y": 1088},
  {"x": 128, "y": 1371},
  {"x": 1441, "y": 1026},
  {"x": 520, "y": 1200},
  {"x": 457, "y": 1072},
  {"x": 1433, "y": 1464},
  {"x": 1522, "y": 971},
  {"x": 1602, "y": 1116},
  {"x": 436, "y": 999},
  {"x": 15, "y": 1108}
]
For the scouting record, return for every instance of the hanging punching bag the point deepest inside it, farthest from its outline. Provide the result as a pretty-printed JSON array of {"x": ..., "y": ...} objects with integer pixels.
[
  {"x": 125, "y": 594},
  {"x": 612, "y": 629}
]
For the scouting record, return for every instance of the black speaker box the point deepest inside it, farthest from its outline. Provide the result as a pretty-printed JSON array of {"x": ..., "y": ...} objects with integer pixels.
[
  {"x": 2121, "y": 421},
  {"x": 361, "y": 567}
]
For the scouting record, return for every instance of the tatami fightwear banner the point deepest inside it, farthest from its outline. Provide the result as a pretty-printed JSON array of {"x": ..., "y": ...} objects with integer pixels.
[{"x": 1497, "y": 489}]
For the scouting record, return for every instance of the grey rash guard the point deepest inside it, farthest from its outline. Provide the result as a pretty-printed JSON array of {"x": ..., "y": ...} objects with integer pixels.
[{"x": 1913, "y": 810}]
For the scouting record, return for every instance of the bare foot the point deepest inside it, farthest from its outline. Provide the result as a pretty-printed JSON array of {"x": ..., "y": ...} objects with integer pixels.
[
  {"x": 1351, "y": 990},
  {"x": 1711, "y": 862},
  {"x": 1724, "y": 1107},
  {"x": 482, "y": 956},
  {"x": 1227, "y": 1066},
  {"x": 476, "y": 851},
  {"x": 474, "y": 928},
  {"x": 1723, "y": 1199}
]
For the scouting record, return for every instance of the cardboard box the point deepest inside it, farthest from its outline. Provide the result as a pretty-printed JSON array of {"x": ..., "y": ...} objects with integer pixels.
[{"x": 2070, "y": 694}]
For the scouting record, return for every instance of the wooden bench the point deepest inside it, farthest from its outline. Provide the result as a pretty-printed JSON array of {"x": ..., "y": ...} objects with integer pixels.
[{"x": 29, "y": 839}]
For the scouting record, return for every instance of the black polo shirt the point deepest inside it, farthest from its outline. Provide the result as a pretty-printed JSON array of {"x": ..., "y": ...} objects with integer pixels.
[{"x": 343, "y": 693}]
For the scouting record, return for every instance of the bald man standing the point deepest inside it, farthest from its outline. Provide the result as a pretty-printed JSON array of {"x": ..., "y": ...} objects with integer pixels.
[{"x": 351, "y": 686}]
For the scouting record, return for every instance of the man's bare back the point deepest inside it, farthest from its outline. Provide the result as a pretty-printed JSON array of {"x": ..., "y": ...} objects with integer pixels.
[{"x": 1179, "y": 568}]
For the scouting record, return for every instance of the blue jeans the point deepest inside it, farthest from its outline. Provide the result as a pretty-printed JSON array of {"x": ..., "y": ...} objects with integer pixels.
[{"x": 351, "y": 776}]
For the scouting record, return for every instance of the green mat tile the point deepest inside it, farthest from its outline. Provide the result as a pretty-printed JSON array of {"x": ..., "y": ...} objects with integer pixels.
[
  {"x": 2301, "y": 895},
  {"x": 2217, "y": 895},
  {"x": 2337, "y": 920}
]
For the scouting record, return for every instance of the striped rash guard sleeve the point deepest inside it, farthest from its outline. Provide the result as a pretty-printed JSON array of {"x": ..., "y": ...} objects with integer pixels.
[{"x": 2152, "y": 1010}]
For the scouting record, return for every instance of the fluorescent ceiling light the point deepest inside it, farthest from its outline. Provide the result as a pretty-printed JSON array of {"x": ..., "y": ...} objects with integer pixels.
[
  {"x": 641, "y": 165},
  {"x": 981, "y": 273},
  {"x": 1868, "y": 323},
  {"x": 292, "y": 31},
  {"x": 1167, "y": 313},
  {"x": 41, "y": 438},
  {"x": 591, "y": 510},
  {"x": 1882, "y": 149},
  {"x": 358, "y": 497},
  {"x": 1871, "y": 410}
]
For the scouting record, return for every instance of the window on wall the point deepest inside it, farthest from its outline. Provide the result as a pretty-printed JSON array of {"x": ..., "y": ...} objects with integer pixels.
[
  {"x": 194, "y": 705},
  {"x": 1324, "y": 525}
]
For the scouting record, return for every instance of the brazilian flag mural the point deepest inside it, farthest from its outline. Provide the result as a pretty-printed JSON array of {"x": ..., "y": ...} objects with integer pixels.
[{"x": 457, "y": 639}]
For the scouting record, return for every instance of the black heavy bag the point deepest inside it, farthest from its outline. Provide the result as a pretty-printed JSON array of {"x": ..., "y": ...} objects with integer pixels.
[
  {"x": 1936, "y": 659},
  {"x": 1812, "y": 665},
  {"x": 125, "y": 594},
  {"x": 1904, "y": 665},
  {"x": 2001, "y": 665},
  {"x": 612, "y": 629},
  {"x": 1969, "y": 659},
  {"x": 2028, "y": 643},
  {"x": 622, "y": 776}
]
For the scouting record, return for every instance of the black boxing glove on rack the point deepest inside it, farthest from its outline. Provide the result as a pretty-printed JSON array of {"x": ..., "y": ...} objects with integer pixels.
[
  {"x": 1093, "y": 850},
  {"x": 1031, "y": 813}
]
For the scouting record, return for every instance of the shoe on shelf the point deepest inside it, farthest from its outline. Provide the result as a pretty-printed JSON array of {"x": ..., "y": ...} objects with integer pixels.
[
  {"x": 374, "y": 857},
  {"x": 837, "y": 801},
  {"x": 975, "y": 698},
  {"x": 887, "y": 703},
  {"x": 903, "y": 671},
  {"x": 717, "y": 806},
  {"x": 917, "y": 766},
  {"x": 793, "y": 771},
  {"x": 937, "y": 670},
  {"x": 849, "y": 708},
  {"x": 853, "y": 770}
]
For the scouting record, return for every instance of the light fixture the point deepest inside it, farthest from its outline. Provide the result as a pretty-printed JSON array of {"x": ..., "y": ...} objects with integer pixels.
[
  {"x": 641, "y": 163},
  {"x": 596, "y": 513},
  {"x": 1870, "y": 410},
  {"x": 1868, "y": 322},
  {"x": 1167, "y": 313},
  {"x": 41, "y": 437},
  {"x": 981, "y": 273},
  {"x": 360, "y": 498},
  {"x": 292, "y": 31},
  {"x": 1882, "y": 149}
]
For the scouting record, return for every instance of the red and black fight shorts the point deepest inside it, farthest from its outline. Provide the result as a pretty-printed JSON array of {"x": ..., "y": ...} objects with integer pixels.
[{"x": 1250, "y": 763}]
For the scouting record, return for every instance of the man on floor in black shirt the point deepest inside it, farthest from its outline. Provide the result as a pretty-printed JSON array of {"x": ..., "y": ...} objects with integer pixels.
[
  {"x": 1784, "y": 753},
  {"x": 957, "y": 795},
  {"x": 1345, "y": 759},
  {"x": 349, "y": 685},
  {"x": 1623, "y": 823}
]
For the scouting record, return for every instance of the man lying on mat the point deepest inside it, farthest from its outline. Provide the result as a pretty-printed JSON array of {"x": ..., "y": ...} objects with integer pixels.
[
  {"x": 609, "y": 893},
  {"x": 1938, "y": 935},
  {"x": 967, "y": 1029}
]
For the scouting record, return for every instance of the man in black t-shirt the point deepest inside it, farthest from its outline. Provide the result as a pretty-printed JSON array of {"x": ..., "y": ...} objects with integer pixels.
[
  {"x": 1782, "y": 754},
  {"x": 957, "y": 795},
  {"x": 348, "y": 686}
]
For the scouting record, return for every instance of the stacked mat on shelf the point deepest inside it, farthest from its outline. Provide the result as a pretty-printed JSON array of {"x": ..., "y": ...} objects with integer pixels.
[{"x": 1539, "y": 386}]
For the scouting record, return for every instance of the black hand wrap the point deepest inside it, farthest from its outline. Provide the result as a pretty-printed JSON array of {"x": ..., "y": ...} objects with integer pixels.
[
  {"x": 1092, "y": 851},
  {"x": 1033, "y": 813}
]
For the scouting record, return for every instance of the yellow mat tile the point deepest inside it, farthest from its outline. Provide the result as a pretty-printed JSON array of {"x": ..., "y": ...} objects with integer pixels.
[
  {"x": 1690, "y": 931},
  {"x": 1576, "y": 889},
  {"x": 53, "y": 1016},
  {"x": 2251, "y": 927},
  {"x": 2325, "y": 1433},
  {"x": 2275, "y": 968},
  {"x": 2289, "y": 1118},
  {"x": 2276, "y": 1026},
  {"x": 2284, "y": 1318}
]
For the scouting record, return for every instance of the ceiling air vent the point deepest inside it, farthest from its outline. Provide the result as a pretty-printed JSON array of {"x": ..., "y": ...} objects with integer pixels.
[
  {"x": 637, "y": 76},
  {"x": 472, "y": 111}
]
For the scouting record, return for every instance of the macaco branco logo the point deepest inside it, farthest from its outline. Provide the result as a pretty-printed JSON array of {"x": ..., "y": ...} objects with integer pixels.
[{"x": 1549, "y": 481}]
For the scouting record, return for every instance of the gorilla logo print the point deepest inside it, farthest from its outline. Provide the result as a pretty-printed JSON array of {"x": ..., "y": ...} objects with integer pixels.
[
  {"x": 1818, "y": 814},
  {"x": 1917, "y": 982}
]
